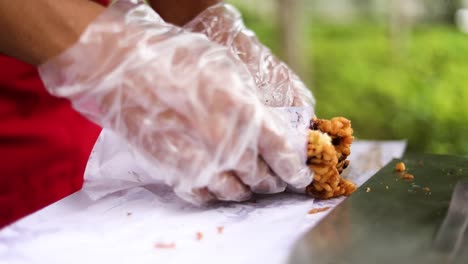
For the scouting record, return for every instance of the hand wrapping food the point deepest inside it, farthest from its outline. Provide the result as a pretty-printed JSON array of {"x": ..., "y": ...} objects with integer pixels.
[
  {"x": 279, "y": 86},
  {"x": 187, "y": 106}
]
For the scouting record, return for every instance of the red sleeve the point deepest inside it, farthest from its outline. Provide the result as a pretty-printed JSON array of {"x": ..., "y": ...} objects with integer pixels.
[{"x": 44, "y": 143}]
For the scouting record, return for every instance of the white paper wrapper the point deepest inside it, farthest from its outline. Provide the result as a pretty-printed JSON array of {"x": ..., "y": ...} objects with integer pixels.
[{"x": 134, "y": 225}]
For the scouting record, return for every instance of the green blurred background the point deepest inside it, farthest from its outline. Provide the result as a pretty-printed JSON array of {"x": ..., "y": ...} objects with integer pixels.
[{"x": 398, "y": 69}]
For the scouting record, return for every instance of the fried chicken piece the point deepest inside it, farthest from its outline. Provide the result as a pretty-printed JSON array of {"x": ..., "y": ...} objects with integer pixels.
[{"x": 329, "y": 145}]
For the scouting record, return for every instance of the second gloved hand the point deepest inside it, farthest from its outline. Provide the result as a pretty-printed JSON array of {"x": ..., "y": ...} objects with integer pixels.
[
  {"x": 185, "y": 104},
  {"x": 277, "y": 84}
]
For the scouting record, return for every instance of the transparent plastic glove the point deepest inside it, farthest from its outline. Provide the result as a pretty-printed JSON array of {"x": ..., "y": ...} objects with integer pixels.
[
  {"x": 186, "y": 106},
  {"x": 277, "y": 84}
]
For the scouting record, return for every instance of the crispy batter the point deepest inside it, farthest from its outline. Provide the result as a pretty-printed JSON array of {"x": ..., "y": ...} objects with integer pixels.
[
  {"x": 318, "y": 210},
  {"x": 400, "y": 166},
  {"x": 328, "y": 147},
  {"x": 408, "y": 176},
  {"x": 341, "y": 133}
]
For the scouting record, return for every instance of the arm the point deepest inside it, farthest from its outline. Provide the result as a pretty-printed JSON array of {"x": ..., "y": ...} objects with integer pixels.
[
  {"x": 34, "y": 31},
  {"x": 182, "y": 11}
]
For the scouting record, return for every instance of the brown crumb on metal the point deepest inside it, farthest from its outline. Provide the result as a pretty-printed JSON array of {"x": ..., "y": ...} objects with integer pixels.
[
  {"x": 368, "y": 189},
  {"x": 318, "y": 210},
  {"x": 426, "y": 189},
  {"x": 129, "y": 214},
  {"x": 199, "y": 236},
  {"x": 165, "y": 245},
  {"x": 408, "y": 176},
  {"x": 220, "y": 229},
  {"x": 400, "y": 166}
]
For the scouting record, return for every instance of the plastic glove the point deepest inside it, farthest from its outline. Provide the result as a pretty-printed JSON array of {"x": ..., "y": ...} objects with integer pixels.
[
  {"x": 277, "y": 84},
  {"x": 186, "y": 105}
]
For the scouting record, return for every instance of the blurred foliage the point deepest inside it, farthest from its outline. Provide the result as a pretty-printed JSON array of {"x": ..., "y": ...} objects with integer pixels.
[{"x": 418, "y": 92}]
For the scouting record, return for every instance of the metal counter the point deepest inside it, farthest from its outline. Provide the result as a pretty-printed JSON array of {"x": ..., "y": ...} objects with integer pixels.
[{"x": 390, "y": 219}]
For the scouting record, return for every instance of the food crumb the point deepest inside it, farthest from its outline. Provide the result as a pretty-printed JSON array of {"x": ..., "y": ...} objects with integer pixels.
[
  {"x": 400, "y": 166},
  {"x": 199, "y": 236},
  {"x": 368, "y": 189},
  {"x": 164, "y": 245},
  {"x": 408, "y": 176},
  {"x": 220, "y": 229},
  {"x": 318, "y": 210},
  {"x": 426, "y": 189},
  {"x": 386, "y": 187},
  {"x": 129, "y": 214}
]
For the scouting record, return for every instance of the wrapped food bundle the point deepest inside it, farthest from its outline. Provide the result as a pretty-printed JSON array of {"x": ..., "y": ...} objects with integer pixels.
[{"x": 328, "y": 147}]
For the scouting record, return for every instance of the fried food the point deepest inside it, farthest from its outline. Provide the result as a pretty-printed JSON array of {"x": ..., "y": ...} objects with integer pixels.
[
  {"x": 318, "y": 210},
  {"x": 408, "y": 176},
  {"x": 329, "y": 145},
  {"x": 400, "y": 167}
]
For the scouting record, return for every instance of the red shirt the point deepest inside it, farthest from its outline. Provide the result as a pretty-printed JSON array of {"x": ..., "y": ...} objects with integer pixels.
[{"x": 44, "y": 143}]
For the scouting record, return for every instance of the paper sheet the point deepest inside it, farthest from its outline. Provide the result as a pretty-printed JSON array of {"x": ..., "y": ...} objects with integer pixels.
[{"x": 151, "y": 225}]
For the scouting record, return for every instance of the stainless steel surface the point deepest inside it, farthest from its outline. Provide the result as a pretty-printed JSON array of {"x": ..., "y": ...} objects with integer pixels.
[
  {"x": 389, "y": 219},
  {"x": 449, "y": 238}
]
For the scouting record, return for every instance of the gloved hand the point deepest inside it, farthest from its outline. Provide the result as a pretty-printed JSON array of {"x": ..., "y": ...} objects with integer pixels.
[
  {"x": 185, "y": 104},
  {"x": 277, "y": 84}
]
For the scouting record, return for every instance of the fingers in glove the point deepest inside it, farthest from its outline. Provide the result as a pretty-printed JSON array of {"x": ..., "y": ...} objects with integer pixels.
[
  {"x": 282, "y": 158},
  {"x": 257, "y": 175},
  {"x": 269, "y": 183},
  {"x": 197, "y": 196},
  {"x": 227, "y": 187}
]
